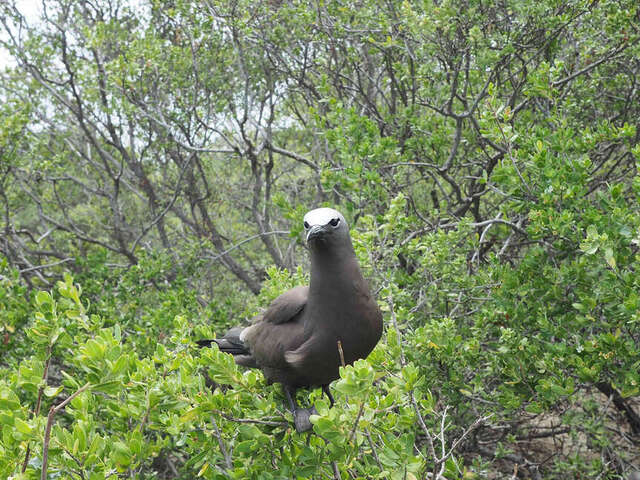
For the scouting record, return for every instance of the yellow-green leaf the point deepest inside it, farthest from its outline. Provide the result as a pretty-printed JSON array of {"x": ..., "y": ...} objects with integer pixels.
[
  {"x": 52, "y": 391},
  {"x": 22, "y": 426}
]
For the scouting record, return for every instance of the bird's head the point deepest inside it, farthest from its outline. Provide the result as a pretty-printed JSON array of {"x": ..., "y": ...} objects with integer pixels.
[{"x": 324, "y": 227}]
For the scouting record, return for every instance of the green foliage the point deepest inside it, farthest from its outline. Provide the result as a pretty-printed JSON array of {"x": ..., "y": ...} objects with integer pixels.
[
  {"x": 15, "y": 310},
  {"x": 485, "y": 155},
  {"x": 135, "y": 408}
]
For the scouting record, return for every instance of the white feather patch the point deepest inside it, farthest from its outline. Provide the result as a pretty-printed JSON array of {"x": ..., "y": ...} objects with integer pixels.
[
  {"x": 322, "y": 216},
  {"x": 243, "y": 333},
  {"x": 292, "y": 357}
]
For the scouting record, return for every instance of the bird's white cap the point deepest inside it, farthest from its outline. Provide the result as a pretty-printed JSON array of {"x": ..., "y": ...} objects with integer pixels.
[{"x": 322, "y": 216}]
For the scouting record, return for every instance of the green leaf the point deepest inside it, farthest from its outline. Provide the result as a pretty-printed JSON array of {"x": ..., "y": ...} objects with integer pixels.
[
  {"x": 203, "y": 469},
  {"x": 190, "y": 415},
  {"x": 43, "y": 298},
  {"x": 52, "y": 391},
  {"x": 111, "y": 388},
  {"x": 121, "y": 365},
  {"x": 122, "y": 453},
  {"x": 608, "y": 256},
  {"x": 8, "y": 399},
  {"x": 22, "y": 426},
  {"x": 246, "y": 447}
]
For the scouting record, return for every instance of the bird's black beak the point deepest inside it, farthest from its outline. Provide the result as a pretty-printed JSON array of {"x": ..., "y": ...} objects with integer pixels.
[{"x": 315, "y": 232}]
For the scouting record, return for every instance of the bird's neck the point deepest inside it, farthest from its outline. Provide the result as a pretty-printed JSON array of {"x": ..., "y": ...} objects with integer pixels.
[{"x": 334, "y": 273}]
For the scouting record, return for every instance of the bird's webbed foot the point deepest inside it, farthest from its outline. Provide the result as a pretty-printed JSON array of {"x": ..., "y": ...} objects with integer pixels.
[
  {"x": 301, "y": 418},
  {"x": 300, "y": 415}
]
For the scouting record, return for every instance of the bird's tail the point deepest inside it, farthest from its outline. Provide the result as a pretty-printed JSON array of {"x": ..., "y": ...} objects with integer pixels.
[{"x": 231, "y": 343}]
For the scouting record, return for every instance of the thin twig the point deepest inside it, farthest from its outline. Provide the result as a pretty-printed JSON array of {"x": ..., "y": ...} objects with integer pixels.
[
  {"x": 47, "y": 432},
  {"x": 394, "y": 320},
  {"x": 336, "y": 472},
  {"x": 355, "y": 425},
  {"x": 297, "y": 157},
  {"x": 373, "y": 450},
  {"x": 248, "y": 239},
  {"x": 271, "y": 423},
  {"x": 425, "y": 429},
  {"x": 467, "y": 431},
  {"x": 223, "y": 449},
  {"x": 36, "y": 412},
  {"x": 40, "y": 267},
  {"x": 341, "y": 352}
]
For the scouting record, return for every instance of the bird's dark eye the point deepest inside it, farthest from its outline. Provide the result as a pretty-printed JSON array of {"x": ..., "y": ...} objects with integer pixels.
[
  {"x": 306, "y": 224},
  {"x": 334, "y": 222}
]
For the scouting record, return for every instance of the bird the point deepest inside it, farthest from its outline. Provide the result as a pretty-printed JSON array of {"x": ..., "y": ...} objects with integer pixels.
[{"x": 306, "y": 334}]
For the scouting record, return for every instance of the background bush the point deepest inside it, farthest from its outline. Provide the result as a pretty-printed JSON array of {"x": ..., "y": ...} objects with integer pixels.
[{"x": 157, "y": 159}]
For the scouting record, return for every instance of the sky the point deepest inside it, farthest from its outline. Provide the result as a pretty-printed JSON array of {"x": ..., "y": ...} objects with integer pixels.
[{"x": 31, "y": 10}]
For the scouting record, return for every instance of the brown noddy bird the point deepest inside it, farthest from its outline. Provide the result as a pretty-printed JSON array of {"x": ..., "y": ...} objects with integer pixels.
[{"x": 296, "y": 341}]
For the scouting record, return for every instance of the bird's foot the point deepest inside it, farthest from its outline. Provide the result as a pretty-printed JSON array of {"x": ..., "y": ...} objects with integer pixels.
[{"x": 301, "y": 418}]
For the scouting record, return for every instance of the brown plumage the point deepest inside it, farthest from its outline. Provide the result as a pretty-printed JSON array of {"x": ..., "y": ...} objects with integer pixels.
[{"x": 295, "y": 341}]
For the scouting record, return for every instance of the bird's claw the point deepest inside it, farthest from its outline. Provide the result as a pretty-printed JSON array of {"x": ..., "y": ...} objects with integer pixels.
[{"x": 301, "y": 419}]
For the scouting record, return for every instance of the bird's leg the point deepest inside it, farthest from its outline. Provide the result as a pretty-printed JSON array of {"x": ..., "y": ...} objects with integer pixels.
[
  {"x": 290, "y": 393},
  {"x": 327, "y": 392},
  {"x": 300, "y": 415}
]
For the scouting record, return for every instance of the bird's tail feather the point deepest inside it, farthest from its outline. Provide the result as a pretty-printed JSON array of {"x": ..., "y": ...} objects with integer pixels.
[
  {"x": 229, "y": 346},
  {"x": 230, "y": 343}
]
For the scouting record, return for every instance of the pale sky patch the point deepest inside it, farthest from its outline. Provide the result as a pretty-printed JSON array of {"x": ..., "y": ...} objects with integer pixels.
[{"x": 31, "y": 10}]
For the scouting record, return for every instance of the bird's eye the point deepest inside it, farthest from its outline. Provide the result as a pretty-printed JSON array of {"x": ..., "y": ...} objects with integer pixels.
[
  {"x": 334, "y": 222},
  {"x": 306, "y": 224}
]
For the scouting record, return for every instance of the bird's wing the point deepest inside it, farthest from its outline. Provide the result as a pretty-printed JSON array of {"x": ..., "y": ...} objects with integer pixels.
[
  {"x": 285, "y": 307},
  {"x": 277, "y": 330}
]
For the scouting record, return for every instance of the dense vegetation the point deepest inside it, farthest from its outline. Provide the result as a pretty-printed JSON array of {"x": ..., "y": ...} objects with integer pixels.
[{"x": 156, "y": 158}]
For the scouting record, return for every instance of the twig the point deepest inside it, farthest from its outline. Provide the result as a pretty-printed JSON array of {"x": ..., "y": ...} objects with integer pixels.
[
  {"x": 394, "y": 320},
  {"x": 341, "y": 352},
  {"x": 611, "y": 55},
  {"x": 373, "y": 450},
  {"x": 467, "y": 431},
  {"x": 169, "y": 205},
  {"x": 271, "y": 423},
  {"x": 425, "y": 430},
  {"x": 40, "y": 267},
  {"x": 297, "y": 157},
  {"x": 442, "y": 429},
  {"x": 223, "y": 449},
  {"x": 336, "y": 472},
  {"x": 248, "y": 239},
  {"x": 355, "y": 425},
  {"x": 36, "y": 412},
  {"x": 47, "y": 432}
]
